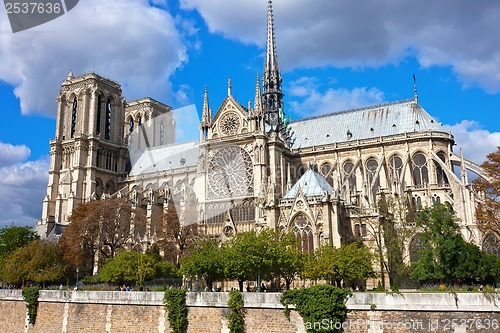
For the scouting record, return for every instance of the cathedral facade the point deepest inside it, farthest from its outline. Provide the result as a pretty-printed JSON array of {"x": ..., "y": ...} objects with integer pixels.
[{"x": 323, "y": 178}]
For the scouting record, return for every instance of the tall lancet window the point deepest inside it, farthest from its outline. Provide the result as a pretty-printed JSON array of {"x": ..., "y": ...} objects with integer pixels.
[
  {"x": 73, "y": 117},
  {"x": 98, "y": 121},
  {"x": 107, "y": 132},
  {"x": 420, "y": 171},
  {"x": 131, "y": 124},
  {"x": 162, "y": 133},
  {"x": 303, "y": 233},
  {"x": 442, "y": 179}
]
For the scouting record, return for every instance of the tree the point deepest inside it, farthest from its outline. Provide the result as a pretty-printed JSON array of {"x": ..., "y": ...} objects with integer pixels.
[
  {"x": 174, "y": 236},
  {"x": 249, "y": 256},
  {"x": 99, "y": 229},
  {"x": 389, "y": 232},
  {"x": 441, "y": 241},
  {"x": 349, "y": 262},
  {"x": 288, "y": 257},
  {"x": 39, "y": 261},
  {"x": 204, "y": 260},
  {"x": 446, "y": 257},
  {"x": 12, "y": 238},
  {"x": 488, "y": 211},
  {"x": 132, "y": 266}
]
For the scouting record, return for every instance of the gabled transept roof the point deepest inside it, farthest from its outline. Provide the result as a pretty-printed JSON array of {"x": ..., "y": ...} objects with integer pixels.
[{"x": 311, "y": 184}]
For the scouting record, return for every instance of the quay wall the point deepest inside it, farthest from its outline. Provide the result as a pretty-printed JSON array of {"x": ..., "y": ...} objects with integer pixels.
[{"x": 143, "y": 312}]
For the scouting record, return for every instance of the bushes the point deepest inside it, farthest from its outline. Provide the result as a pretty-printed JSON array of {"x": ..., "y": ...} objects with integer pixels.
[
  {"x": 317, "y": 304},
  {"x": 236, "y": 316},
  {"x": 175, "y": 303},
  {"x": 30, "y": 295}
]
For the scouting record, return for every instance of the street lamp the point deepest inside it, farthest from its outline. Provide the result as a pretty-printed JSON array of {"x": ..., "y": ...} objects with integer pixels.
[{"x": 77, "y": 270}]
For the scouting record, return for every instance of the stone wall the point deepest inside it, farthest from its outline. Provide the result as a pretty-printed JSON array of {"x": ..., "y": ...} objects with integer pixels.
[{"x": 141, "y": 312}]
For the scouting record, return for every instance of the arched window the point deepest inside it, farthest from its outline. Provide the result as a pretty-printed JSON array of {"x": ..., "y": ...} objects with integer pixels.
[
  {"x": 440, "y": 173},
  {"x": 140, "y": 131},
  {"x": 372, "y": 177},
  {"x": 491, "y": 244},
  {"x": 416, "y": 245},
  {"x": 326, "y": 172},
  {"x": 396, "y": 166},
  {"x": 99, "y": 188},
  {"x": 131, "y": 125},
  {"x": 162, "y": 133},
  {"x": 110, "y": 187},
  {"x": 357, "y": 230},
  {"x": 107, "y": 130},
  {"x": 420, "y": 171},
  {"x": 303, "y": 231},
  {"x": 302, "y": 170},
  {"x": 417, "y": 202},
  {"x": 98, "y": 120},
  {"x": 360, "y": 230},
  {"x": 371, "y": 168},
  {"x": 435, "y": 199},
  {"x": 325, "y": 169},
  {"x": 73, "y": 117},
  {"x": 350, "y": 175}
]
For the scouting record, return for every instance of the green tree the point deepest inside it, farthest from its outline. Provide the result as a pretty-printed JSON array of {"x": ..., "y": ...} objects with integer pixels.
[
  {"x": 441, "y": 239},
  {"x": 12, "y": 238},
  {"x": 39, "y": 261},
  {"x": 132, "y": 266},
  {"x": 250, "y": 256},
  {"x": 204, "y": 260},
  {"x": 288, "y": 257},
  {"x": 446, "y": 257},
  {"x": 489, "y": 269},
  {"x": 349, "y": 262}
]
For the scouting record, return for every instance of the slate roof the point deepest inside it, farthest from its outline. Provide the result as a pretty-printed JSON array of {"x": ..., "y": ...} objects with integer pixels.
[
  {"x": 166, "y": 157},
  {"x": 364, "y": 123},
  {"x": 56, "y": 232},
  {"x": 311, "y": 183}
]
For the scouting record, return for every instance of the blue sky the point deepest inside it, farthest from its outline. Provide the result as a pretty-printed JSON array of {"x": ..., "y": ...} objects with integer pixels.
[{"x": 334, "y": 55}]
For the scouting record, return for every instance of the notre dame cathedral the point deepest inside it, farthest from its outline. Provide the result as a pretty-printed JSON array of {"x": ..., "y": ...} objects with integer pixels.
[{"x": 322, "y": 178}]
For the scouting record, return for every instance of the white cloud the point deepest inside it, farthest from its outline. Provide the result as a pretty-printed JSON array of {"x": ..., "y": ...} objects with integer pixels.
[
  {"x": 307, "y": 98},
  {"x": 22, "y": 189},
  {"x": 457, "y": 33},
  {"x": 475, "y": 142},
  {"x": 10, "y": 154},
  {"x": 126, "y": 40}
]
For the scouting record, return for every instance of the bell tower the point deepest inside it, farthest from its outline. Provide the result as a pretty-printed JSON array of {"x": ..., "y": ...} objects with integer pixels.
[{"x": 88, "y": 154}]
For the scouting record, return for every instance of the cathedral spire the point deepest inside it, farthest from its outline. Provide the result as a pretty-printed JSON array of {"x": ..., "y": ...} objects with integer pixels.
[
  {"x": 272, "y": 96},
  {"x": 206, "y": 115},
  {"x": 415, "y": 96},
  {"x": 258, "y": 98}
]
